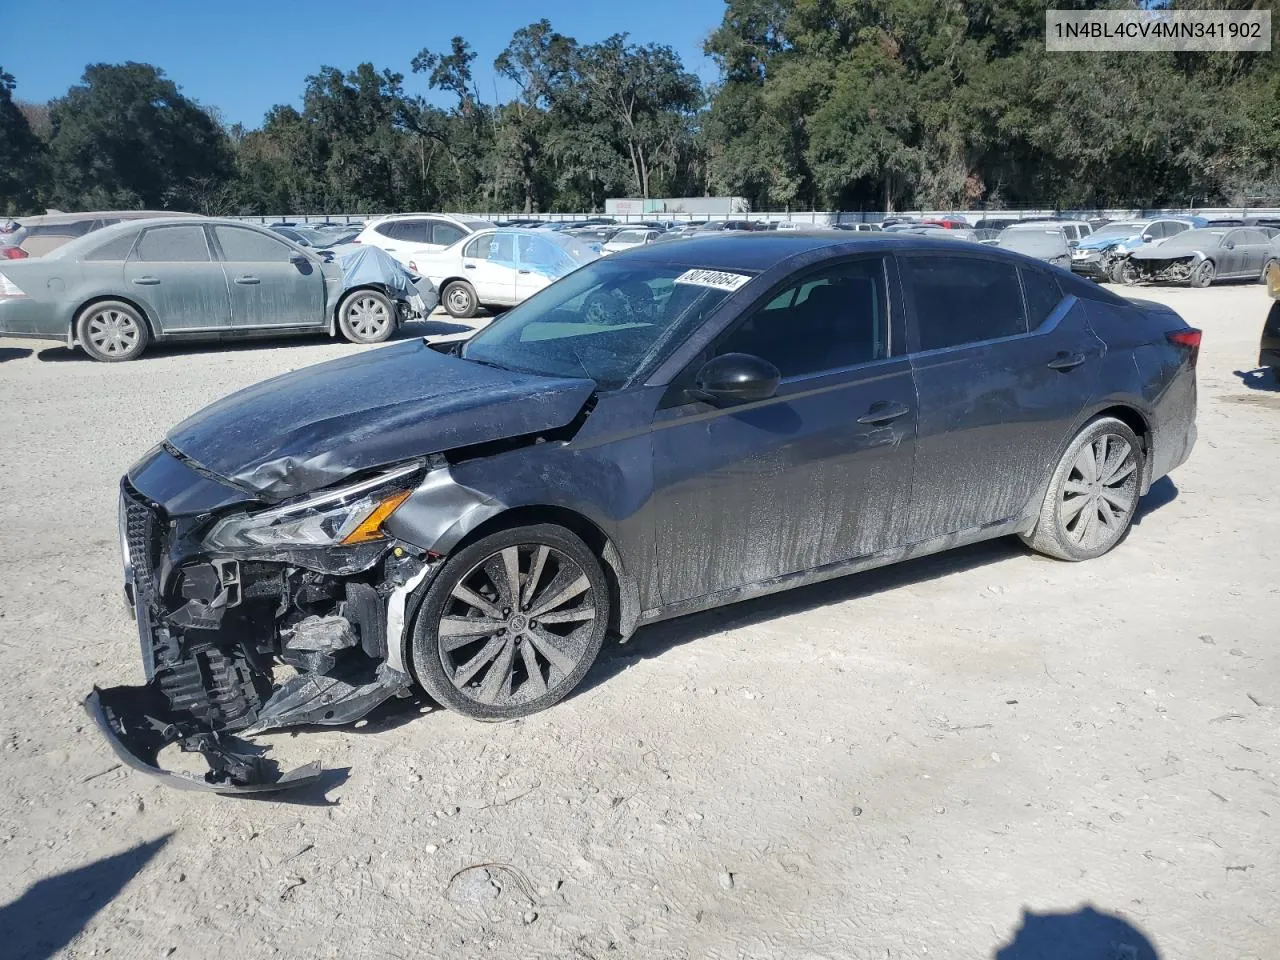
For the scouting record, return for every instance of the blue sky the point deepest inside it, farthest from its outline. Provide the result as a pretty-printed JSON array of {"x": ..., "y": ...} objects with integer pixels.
[{"x": 243, "y": 57}]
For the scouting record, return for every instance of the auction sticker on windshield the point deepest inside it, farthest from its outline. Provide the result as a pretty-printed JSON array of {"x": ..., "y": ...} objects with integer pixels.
[{"x": 713, "y": 278}]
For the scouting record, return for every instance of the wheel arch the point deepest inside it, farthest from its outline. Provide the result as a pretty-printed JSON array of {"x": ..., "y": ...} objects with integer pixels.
[{"x": 103, "y": 298}]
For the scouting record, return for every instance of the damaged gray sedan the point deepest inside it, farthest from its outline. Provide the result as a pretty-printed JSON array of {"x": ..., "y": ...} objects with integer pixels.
[
  {"x": 667, "y": 430},
  {"x": 1200, "y": 257}
]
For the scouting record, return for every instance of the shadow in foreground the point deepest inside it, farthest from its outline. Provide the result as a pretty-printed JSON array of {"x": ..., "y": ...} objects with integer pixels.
[
  {"x": 14, "y": 353},
  {"x": 49, "y": 915},
  {"x": 1084, "y": 934},
  {"x": 1264, "y": 378}
]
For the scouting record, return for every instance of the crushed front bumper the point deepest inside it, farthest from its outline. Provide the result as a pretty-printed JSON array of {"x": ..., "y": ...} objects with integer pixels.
[{"x": 215, "y": 631}]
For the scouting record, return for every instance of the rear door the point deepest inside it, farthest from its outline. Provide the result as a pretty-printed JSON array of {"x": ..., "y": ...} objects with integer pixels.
[
  {"x": 1003, "y": 364},
  {"x": 819, "y": 473},
  {"x": 267, "y": 288},
  {"x": 489, "y": 263},
  {"x": 539, "y": 262},
  {"x": 1257, "y": 251},
  {"x": 1233, "y": 255},
  {"x": 173, "y": 274}
]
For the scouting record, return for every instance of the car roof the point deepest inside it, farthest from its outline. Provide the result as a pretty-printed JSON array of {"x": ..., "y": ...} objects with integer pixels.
[{"x": 56, "y": 219}]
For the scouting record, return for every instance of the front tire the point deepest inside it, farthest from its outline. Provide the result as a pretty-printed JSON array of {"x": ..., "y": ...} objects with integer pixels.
[
  {"x": 112, "y": 331},
  {"x": 1128, "y": 273},
  {"x": 512, "y": 623},
  {"x": 460, "y": 300},
  {"x": 1266, "y": 268},
  {"x": 366, "y": 316},
  {"x": 1203, "y": 275},
  {"x": 1093, "y": 494}
]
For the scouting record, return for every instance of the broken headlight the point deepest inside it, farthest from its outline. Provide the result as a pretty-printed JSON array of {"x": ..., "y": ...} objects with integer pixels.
[{"x": 347, "y": 516}]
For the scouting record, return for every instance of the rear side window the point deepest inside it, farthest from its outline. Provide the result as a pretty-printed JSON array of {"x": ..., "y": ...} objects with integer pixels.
[
  {"x": 172, "y": 245},
  {"x": 446, "y": 234},
  {"x": 961, "y": 300},
  {"x": 114, "y": 249},
  {"x": 1174, "y": 227},
  {"x": 248, "y": 246},
  {"x": 1043, "y": 295}
]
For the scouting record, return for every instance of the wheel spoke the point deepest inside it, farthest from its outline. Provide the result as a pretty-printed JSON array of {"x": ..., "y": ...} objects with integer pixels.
[
  {"x": 1121, "y": 472},
  {"x": 511, "y": 563},
  {"x": 474, "y": 599},
  {"x": 569, "y": 616},
  {"x": 537, "y": 685},
  {"x": 535, "y": 574},
  {"x": 1118, "y": 458},
  {"x": 551, "y": 647},
  {"x": 1075, "y": 488},
  {"x": 455, "y": 632},
  {"x": 1085, "y": 526},
  {"x": 1072, "y": 506},
  {"x": 1106, "y": 515},
  {"x": 462, "y": 676},
  {"x": 498, "y": 678},
  {"x": 1086, "y": 464},
  {"x": 550, "y": 600},
  {"x": 1121, "y": 500}
]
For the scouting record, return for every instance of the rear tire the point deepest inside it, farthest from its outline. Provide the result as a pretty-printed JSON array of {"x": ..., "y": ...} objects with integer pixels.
[
  {"x": 1093, "y": 494},
  {"x": 1203, "y": 275},
  {"x": 460, "y": 300},
  {"x": 112, "y": 331},
  {"x": 1266, "y": 267},
  {"x": 367, "y": 316}
]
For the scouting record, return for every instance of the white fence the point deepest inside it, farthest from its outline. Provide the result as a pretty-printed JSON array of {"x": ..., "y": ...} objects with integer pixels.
[{"x": 816, "y": 217}]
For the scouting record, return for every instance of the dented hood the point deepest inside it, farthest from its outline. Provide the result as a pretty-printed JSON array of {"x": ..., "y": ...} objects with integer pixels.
[{"x": 313, "y": 427}]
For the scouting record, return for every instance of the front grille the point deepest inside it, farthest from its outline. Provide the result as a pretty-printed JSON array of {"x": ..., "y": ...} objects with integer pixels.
[{"x": 143, "y": 531}]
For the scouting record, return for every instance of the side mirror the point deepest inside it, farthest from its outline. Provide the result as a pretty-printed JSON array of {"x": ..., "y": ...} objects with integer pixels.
[
  {"x": 1230, "y": 245},
  {"x": 298, "y": 259},
  {"x": 1073, "y": 244},
  {"x": 1147, "y": 238},
  {"x": 736, "y": 378}
]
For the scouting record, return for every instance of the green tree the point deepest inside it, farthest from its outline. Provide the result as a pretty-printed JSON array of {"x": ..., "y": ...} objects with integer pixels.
[
  {"x": 22, "y": 155},
  {"x": 126, "y": 137}
]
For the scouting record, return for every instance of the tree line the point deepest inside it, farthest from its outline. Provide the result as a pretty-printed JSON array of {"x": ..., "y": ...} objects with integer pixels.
[{"x": 819, "y": 104}]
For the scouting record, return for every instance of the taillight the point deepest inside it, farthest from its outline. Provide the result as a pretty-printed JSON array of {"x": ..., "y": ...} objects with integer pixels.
[
  {"x": 13, "y": 253},
  {"x": 9, "y": 289},
  {"x": 1189, "y": 338},
  {"x": 413, "y": 266}
]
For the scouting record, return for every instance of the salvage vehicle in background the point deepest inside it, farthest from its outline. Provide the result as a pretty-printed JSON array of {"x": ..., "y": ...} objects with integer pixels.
[
  {"x": 117, "y": 289},
  {"x": 1073, "y": 230},
  {"x": 500, "y": 267},
  {"x": 1101, "y": 255},
  {"x": 1199, "y": 257},
  {"x": 1048, "y": 243},
  {"x": 666, "y": 430},
  {"x": 627, "y": 238},
  {"x": 410, "y": 236},
  {"x": 36, "y": 236}
]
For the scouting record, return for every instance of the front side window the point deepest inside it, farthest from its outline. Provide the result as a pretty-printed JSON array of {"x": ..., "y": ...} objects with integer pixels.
[
  {"x": 836, "y": 318},
  {"x": 1172, "y": 227},
  {"x": 494, "y": 247},
  {"x": 248, "y": 246},
  {"x": 960, "y": 300},
  {"x": 172, "y": 245},
  {"x": 605, "y": 321}
]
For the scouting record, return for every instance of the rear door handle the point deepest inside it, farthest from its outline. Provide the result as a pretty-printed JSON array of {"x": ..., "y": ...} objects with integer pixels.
[
  {"x": 146, "y": 281},
  {"x": 468, "y": 266},
  {"x": 884, "y": 411},
  {"x": 1066, "y": 361},
  {"x": 526, "y": 271},
  {"x": 247, "y": 280}
]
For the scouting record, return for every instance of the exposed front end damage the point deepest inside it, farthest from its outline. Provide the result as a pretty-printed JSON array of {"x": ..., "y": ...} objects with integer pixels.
[
  {"x": 232, "y": 646},
  {"x": 1099, "y": 264},
  {"x": 1171, "y": 270}
]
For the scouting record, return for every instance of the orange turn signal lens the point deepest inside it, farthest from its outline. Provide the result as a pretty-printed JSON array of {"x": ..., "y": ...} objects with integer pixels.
[{"x": 371, "y": 528}]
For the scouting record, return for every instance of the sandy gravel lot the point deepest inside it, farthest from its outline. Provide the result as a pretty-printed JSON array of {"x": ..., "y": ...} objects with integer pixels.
[{"x": 898, "y": 764}]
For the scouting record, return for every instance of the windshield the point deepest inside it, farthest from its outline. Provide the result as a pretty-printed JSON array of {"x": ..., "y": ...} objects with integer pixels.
[
  {"x": 1119, "y": 230},
  {"x": 1194, "y": 240},
  {"x": 603, "y": 322},
  {"x": 1034, "y": 243}
]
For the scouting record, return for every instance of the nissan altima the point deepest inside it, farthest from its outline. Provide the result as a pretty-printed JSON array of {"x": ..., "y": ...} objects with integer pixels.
[{"x": 669, "y": 429}]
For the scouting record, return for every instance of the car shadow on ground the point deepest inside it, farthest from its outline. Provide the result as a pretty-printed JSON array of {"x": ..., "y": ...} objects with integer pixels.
[
  {"x": 14, "y": 353},
  {"x": 1084, "y": 934},
  {"x": 408, "y": 331},
  {"x": 53, "y": 911},
  {"x": 1162, "y": 492},
  {"x": 656, "y": 639},
  {"x": 1264, "y": 378}
]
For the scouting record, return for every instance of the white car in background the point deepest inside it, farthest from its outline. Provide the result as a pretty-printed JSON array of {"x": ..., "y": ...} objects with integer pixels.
[
  {"x": 500, "y": 267},
  {"x": 408, "y": 236},
  {"x": 626, "y": 239}
]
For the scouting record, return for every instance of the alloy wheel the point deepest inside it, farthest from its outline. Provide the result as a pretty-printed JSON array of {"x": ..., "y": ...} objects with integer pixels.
[
  {"x": 367, "y": 317},
  {"x": 113, "y": 332},
  {"x": 1100, "y": 492},
  {"x": 517, "y": 625},
  {"x": 459, "y": 300}
]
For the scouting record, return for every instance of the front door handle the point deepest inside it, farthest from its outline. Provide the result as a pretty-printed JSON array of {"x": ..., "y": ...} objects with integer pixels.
[
  {"x": 146, "y": 281},
  {"x": 468, "y": 266},
  {"x": 1066, "y": 361},
  {"x": 526, "y": 272},
  {"x": 884, "y": 411},
  {"x": 247, "y": 280}
]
